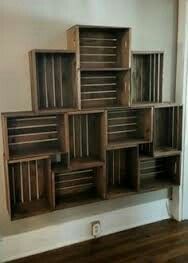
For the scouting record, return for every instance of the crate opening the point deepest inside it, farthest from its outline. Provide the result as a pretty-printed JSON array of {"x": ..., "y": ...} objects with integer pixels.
[
  {"x": 30, "y": 187},
  {"x": 122, "y": 171},
  {"x": 131, "y": 126},
  {"x": 56, "y": 80},
  {"x": 105, "y": 89},
  {"x": 147, "y": 77},
  {"x": 104, "y": 47},
  {"x": 157, "y": 173},
  {"x": 73, "y": 188}
]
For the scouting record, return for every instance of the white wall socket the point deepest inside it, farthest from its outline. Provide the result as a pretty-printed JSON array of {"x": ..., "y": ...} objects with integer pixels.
[{"x": 96, "y": 228}]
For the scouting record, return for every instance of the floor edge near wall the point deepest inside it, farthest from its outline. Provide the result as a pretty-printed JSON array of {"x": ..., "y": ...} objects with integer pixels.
[{"x": 57, "y": 236}]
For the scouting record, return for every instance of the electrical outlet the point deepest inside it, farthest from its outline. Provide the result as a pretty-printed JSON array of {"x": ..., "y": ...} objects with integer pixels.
[{"x": 95, "y": 228}]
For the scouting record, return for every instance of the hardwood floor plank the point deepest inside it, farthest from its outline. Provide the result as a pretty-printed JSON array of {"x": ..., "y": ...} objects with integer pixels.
[{"x": 165, "y": 241}]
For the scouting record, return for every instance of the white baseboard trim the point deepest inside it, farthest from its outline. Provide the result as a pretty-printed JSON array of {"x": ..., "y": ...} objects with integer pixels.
[{"x": 56, "y": 236}]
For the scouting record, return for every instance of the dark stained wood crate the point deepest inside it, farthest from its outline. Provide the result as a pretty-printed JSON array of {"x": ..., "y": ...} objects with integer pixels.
[
  {"x": 130, "y": 126},
  {"x": 28, "y": 134},
  {"x": 73, "y": 188},
  {"x": 100, "y": 47},
  {"x": 122, "y": 172},
  {"x": 158, "y": 173},
  {"x": 53, "y": 80},
  {"x": 30, "y": 186},
  {"x": 167, "y": 129},
  {"x": 105, "y": 88},
  {"x": 86, "y": 135},
  {"x": 147, "y": 77}
]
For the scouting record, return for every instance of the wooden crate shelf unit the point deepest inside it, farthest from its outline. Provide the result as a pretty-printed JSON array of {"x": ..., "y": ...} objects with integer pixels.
[{"x": 98, "y": 128}]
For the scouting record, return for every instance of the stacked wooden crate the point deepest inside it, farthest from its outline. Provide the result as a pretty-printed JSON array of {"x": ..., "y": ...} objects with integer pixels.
[{"x": 99, "y": 128}]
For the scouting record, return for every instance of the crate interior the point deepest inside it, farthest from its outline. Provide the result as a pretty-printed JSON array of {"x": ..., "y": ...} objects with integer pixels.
[
  {"x": 60, "y": 161},
  {"x": 159, "y": 172},
  {"x": 34, "y": 135},
  {"x": 30, "y": 187},
  {"x": 146, "y": 149},
  {"x": 105, "y": 88},
  {"x": 104, "y": 47},
  {"x": 122, "y": 171},
  {"x": 56, "y": 80},
  {"x": 129, "y": 126},
  {"x": 85, "y": 137},
  {"x": 167, "y": 129},
  {"x": 147, "y": 77},
  {"x": 76, "y": 187}
]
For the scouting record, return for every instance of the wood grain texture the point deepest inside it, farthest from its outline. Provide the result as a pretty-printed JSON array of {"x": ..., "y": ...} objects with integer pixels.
[{"x": 165, "y": 241}]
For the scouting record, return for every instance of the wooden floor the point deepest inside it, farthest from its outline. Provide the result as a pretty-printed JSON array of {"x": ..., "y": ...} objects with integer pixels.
[{"x": 166, "y": 241}]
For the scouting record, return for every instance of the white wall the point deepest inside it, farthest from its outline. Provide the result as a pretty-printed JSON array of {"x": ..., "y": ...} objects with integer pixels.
[
  {"x": 26, "y": 24},
  {"x": 182, "y": 97}
]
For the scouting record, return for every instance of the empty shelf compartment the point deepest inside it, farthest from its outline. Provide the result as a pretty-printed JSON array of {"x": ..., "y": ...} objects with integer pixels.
[
  {"x": 147, "y": 77},
  {"x": 101, "y": 47},
  {"x": 85, "y": 137},
  {"x": 105, "y": 88},
  {"x": 122, "y": 171},
  {"x": 33, "y": 135},
  {"x": 130, "y": 126},
  {"x": 74, "y": 188},
  {"x": 30, "y": 187},
  {"x": 53, "y": 79},
  {"x": 158, "y": 173},
  {"x": 167, "y": 130}
]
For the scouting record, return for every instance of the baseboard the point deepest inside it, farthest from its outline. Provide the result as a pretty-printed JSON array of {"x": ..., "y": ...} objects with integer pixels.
[{"x": 56, "y": 236}]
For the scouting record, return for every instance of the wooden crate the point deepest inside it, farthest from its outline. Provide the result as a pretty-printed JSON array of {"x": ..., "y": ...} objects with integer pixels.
[
  {"x": 122, "y": 171},
  {"x": 53, "y": 80},
  {"x": 105, "y": 89},
  {"x": 100, "y": 47},
  {"x": 77, "y": 187},
  {"x": 27, "y": 134},
  {"x": 147, "y": 77},
  {"x": 159, "y": 173},
  {"x": 130, "y": 126},
  {"x": 29, "y": 184},
  {"x": 167, "y": 129},
  {"x": 86, "y": 138}
]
